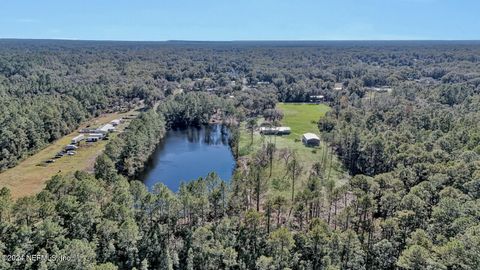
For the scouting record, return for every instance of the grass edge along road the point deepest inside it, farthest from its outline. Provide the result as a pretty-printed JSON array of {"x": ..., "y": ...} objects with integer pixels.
[
  {"x": 29, "y": 176},
  {"x": 301, "y": 118}
]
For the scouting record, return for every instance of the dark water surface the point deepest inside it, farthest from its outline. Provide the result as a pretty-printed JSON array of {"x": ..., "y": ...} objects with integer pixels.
[{"x": 187, "y": 154}]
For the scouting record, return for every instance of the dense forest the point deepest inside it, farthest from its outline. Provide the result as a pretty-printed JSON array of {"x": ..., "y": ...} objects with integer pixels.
[{"x": 412, "y": 153}]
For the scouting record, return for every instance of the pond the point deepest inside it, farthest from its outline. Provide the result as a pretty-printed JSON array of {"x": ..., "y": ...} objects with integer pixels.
[{"x": 189, "y": 153}]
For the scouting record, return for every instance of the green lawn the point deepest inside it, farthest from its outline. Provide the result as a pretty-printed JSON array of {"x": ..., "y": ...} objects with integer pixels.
[{"x": 302, "y": 118}]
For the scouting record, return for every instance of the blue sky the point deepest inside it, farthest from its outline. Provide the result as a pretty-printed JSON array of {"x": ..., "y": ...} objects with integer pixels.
[{"x": 240, "y": 19}]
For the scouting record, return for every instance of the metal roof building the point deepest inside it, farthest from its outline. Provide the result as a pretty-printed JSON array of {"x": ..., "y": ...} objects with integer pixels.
[
  {"x": 105, "y": 129},
  {"x": 310, "y": 139}
]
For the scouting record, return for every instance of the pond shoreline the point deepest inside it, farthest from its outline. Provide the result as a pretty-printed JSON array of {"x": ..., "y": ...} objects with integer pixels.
[{"x": 187, "y": 153}]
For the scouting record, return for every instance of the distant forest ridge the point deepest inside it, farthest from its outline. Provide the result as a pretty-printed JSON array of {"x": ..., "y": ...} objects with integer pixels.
[{"x": 243, "y": 43}]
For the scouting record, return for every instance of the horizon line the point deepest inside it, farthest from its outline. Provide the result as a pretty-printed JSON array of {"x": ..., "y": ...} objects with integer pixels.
[{"x": 245, "y": 40}]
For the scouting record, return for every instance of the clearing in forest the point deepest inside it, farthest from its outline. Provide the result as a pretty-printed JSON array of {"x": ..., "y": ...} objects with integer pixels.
[
  {"x": 301, "y": 118},
  {"x": 30, "y": 175}
]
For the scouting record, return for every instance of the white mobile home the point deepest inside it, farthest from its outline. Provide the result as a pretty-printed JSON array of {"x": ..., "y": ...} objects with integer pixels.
[
  {"x": 92, "y": 139},
  {"x": 87, "y": 130},
  {"x": 96, "y": 135},
  {"x": 275, "y": 130},
  {"x": 105, "y": 129},
  {"x": 78, "y": 139},
  {"x": 310, "y": 139},
  {"x": 284, "y": 130}
]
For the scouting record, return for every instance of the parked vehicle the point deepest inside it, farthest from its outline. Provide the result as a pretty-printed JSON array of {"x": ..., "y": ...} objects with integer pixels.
[{"x": 70, "y": 147}]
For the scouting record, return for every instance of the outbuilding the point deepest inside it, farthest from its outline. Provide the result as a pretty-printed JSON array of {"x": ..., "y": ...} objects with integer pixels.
[
  {"x": 78, "y": 139},
  {"x": 310, "y": 139}
]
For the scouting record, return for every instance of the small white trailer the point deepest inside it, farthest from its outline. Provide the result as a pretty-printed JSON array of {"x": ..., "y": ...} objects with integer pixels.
[{"x": 96, "y": 135}]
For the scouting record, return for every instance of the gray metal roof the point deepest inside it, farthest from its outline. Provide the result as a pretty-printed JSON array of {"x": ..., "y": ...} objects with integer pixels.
[{"x": 310, "y": 136}]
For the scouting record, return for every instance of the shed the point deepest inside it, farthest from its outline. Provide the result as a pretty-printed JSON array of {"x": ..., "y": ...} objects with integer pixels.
[
  {"x": 310, "y": 139},
  {"x": 78, "y": 139}
]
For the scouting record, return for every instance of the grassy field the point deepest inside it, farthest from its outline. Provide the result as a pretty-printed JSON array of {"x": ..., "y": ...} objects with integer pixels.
[
  {"x": 30, "y": 175},
  {"x": 301, "y": 118}
]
